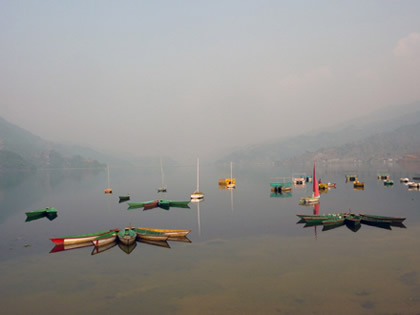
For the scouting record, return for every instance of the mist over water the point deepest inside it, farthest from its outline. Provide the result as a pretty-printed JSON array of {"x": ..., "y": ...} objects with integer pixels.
[{"x": 247, "y": 251}]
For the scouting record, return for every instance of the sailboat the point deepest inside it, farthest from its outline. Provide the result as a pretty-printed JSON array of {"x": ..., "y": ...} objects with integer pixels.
[
  {"x": 231, "y": 184},
  {"x": 108, "y": 190},
  {"x": 197, "y": 195},
  {"x": 315, "y": 192},
  {"x": 163, "y": 187}
]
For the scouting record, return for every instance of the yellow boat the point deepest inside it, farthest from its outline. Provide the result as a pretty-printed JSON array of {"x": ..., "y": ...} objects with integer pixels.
[
  {"x": 357, "y": 184},
  {"x": 168, "y": 232}
]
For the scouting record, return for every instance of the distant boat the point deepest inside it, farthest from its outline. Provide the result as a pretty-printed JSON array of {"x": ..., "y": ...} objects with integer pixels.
[
  {"x": 351, "y": 178},
  {"x": 162, "y": 188},
  {"x": 315, "y": 192},
  {"x": 388, "y": 182},
  {"x": 108, "y": 190},
  {"x": 357, "y": 184},
  {"x": 383, "y": 176},
  {"x": 404, "y": 179},
  {"x": 283, "y": 185},
  {"x": 124, "y": 197},
  {"x": 42, "y": 211},
  {"x": 197, "y": 194}
]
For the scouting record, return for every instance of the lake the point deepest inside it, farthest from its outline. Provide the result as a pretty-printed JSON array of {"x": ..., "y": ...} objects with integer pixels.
[{"x": 247, "y": 252}]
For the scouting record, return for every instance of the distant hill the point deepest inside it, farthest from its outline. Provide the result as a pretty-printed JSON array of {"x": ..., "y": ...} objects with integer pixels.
[
  {"x": 20, "y": 149},
  {"x": 379, "y": 135},
  {"x": 400, "y": 144}
]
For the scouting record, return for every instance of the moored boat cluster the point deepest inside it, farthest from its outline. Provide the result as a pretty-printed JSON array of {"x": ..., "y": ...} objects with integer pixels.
[
  {"x": 351, "y": 220},
  {"x": 126, "y": 238}
]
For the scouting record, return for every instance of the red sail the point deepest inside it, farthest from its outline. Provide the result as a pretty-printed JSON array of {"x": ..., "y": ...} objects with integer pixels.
[{"x": 315, "y": 184}]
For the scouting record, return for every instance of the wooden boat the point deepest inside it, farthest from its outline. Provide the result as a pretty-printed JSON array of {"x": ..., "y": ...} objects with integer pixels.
[
  {"x": 333, "y": 222},
  {"x": 164, "y": 204},
  {"x": 323, "y": 186},
  {"x": 357, "y": 184},
  {"x": 124, "y": 197},
  {"x": 382, "y": 217},
  {"x": 127, "y": 236},
  {"x": 327, "y": 215},
  {"x": 315, "y": 192},
  {"x": 150, "y": 235},
  {"x": 101, "y": 249},
  {"x": 383, "y": 225},
  {"x": 108, "y": 190},
  {"x": 280, "y": 187},
  {"x": 366, "y": 219},
  {"x": 388, "y": 182},
  {"x": 43, "y": 211},
  {"x": 105, "y": 239},
  {"x": 413, "y": 185},
  {"x": 197, "y": 194},
  {"x": 169, "y": 232},
  {"x": 352, "y": 219},
  {"x": 151, "y": 204},
  {"x": 49, "y": 215},
  {"x": 77, "y": 239},
  {"x": 320, "y": 219},
  {"x": 383, "y": 176},
  {"x": 352, "y": 227},
  {"x": 351, "y": 178},
  {"x": 134, "y": 205}
]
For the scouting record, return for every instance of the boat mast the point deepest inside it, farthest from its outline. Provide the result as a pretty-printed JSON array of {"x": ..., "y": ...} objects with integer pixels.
[
  {"x": 108, "y": 175},
  {"x": 231, "y": 172},
  {"x": 198, "y": 174},
  {"x": 161, "y": 172}
]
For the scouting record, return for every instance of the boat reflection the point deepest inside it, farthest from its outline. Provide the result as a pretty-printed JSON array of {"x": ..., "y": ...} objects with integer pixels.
[
  {"x": 49, "y": 216},
  {"x": 351, "y": 224},
  {"x": 280, "y": 195},
  {"x": 155, "y": 243},
  {"x": 127, "y": 248},
  {"x": 101, "y": 249}
]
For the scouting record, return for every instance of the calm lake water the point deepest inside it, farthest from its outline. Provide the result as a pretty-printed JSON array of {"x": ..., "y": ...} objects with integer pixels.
[{"x": 247, "y": 255}]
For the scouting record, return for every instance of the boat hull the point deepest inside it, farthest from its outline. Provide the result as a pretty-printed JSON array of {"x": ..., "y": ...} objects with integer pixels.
[
  {"x": 77, "y": 239},
  {"x": 169, "y": 232}
]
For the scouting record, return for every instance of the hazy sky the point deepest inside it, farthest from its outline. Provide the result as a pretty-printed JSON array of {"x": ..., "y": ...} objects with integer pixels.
[{"x": 191, "y": 78}]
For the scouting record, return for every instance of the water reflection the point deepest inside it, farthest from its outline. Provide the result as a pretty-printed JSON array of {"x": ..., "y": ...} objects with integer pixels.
[{"x": 49, "y": 216}]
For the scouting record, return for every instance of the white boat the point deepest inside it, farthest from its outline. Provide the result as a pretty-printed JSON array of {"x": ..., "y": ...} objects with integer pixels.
[
  {"x": 232, "y": 182},
  {"x": 404, "y": 179},
  {"x": 413, "y": 185},
  {"x": 197, "y": 194},
  {"x": 163, "y": 187},
  {"x": 315, "y": 192}
]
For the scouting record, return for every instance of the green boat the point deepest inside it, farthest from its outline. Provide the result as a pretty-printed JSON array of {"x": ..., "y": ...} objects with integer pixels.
[
  {"x": 380, "y": 218},
  {"x": 41, "y": 211},
  {"x": 164, "y": 204},
  {"x": 179, "y": 204},
  {"x": 135, "y": 205},
  {"x": 353, "y": 219},
  {"x": 150, "y": 235},
  {"x": 388, "y": 182},
  {"x": 127, "y": 236}
]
